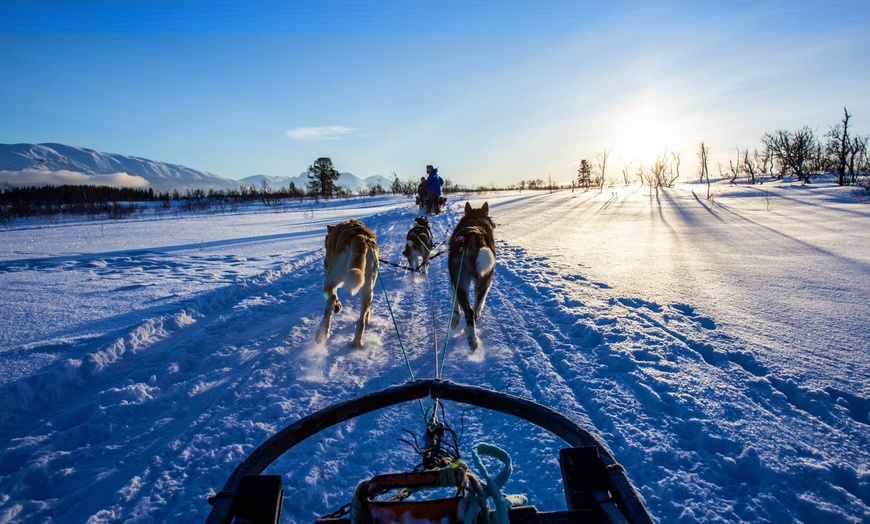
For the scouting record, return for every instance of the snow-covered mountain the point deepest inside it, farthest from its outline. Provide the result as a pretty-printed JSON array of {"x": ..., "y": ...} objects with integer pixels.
[
  {"x": 348, "y": 180},
  {"x": 58, "y": 164}
]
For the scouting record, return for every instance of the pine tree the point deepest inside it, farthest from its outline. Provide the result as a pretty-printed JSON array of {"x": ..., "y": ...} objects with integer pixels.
[{"x": 322, "y": 177}]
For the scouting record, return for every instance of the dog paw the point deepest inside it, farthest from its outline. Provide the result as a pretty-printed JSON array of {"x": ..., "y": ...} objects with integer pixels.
[{"x": 321, "y": 336}]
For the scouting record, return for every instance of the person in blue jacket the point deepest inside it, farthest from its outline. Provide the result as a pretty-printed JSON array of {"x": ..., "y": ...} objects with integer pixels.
[{"x": 433, "y": 185}]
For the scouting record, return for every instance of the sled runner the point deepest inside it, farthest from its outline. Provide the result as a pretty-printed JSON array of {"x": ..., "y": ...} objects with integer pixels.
[{"x": 597, "y": 489}]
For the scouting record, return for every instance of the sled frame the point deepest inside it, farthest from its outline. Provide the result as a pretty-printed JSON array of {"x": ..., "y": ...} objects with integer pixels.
[{"x": 623, "y": 496}]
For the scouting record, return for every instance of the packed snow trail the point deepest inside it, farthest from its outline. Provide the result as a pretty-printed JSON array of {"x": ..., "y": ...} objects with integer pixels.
[{"x": 708, "y": 422}]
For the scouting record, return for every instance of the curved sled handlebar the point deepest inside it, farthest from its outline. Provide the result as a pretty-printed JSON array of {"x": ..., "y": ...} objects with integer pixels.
[{"x": 569, "y": 431}]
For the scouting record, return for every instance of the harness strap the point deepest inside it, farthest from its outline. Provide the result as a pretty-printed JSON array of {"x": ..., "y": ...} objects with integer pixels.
[
  {"x": 409, "y": 268},
  {"x": 371, "y": 242}
]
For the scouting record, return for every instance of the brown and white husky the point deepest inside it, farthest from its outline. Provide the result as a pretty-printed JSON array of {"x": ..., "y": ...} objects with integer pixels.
[
  {"x": 418, "y": 245},
  {"x": 471, "y": 262},
  {"x": 351, "y": 261}
]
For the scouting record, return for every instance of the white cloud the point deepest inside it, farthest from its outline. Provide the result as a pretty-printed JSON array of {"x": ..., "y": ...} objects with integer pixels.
[
  {"x": 36, "y": 177},
  {"x": 319, "y": 133}
]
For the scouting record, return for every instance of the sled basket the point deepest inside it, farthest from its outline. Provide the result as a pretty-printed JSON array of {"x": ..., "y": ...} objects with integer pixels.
[{"x": 449, "y": 510}]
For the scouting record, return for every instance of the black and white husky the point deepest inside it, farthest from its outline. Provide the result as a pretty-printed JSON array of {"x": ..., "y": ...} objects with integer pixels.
[
  {"x": 418, "y": 245},
  {"x": 471, "y": 262}
]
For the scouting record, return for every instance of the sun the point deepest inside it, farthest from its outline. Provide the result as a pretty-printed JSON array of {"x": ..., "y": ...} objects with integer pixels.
[{"x": 645, "y": 140}]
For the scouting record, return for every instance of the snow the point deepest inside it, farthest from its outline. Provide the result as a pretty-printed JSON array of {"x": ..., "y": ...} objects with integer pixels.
[
  {"x": 59, "y": 164},
  {"x": 348, "y": 181},
  {"x": 720, "y": 348}
]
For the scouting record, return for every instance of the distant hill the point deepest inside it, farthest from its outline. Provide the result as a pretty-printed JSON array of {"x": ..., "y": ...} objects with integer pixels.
[
  {"x": 58, "y": 164},
  {"x": 348, "y": 180}
]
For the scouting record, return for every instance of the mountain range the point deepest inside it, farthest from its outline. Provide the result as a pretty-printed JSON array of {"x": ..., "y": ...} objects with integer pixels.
[{"x": 58, "y": 164}]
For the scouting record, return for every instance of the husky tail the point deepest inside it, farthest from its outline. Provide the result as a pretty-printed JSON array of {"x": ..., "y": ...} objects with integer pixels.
[
  {"x": 485, "y": 261},
  {"x": 479, "y": 252},
  {"x": 355, "y": 276}
]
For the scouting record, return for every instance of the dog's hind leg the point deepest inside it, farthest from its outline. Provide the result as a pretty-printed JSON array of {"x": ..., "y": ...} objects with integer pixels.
[
  {"x": 462, "y": 303},
  {"x": 460, "y": 307},
  {"x": 473, "y": 341},
  {"x": 481, "y": 289},
  {"x": 409, "y": 251},
  {"x": 332, "y": 306},
  {"x": 470, "y": 319},
  {"x": 365, "y": 309},
  {"x": 427, "y": 254},
  {"x": 366, "y": 294}
]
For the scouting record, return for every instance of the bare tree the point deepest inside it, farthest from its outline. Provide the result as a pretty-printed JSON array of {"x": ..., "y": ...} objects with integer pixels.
[
  {"x": 765, "y": 160},
  {"x": 792, "y": 150},
  {"x": 750, "y": 166},
  {"x": 845, "y": 151},
  {"x": 703, "y": 165},
  {"x": 660, "y": 173},
  {"x": 626, "y": 173},
  {"x": 675, "y": 167},
  {"x": 859, "y": 161},
  {"x": 734, "y": 168},
  {"x": 641, "y": 174},
  {"x": 602, "y": 166},
  {"x": 664, "y": 172}
]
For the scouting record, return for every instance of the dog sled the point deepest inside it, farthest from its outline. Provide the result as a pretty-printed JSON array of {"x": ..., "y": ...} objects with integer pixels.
[{"x": 596, "y": 487}]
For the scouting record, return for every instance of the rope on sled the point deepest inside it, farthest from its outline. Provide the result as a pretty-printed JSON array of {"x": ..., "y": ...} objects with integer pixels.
[
  {"x": 438, "y": 368},
  {"x": 409, "y": 268},
  {"x": 452, "y": 312},
  {"x": 418, "y": 269},
  {"x": 492, "y": 486},
  {"x": 399, "y": 335},
  {"x": 434, "y": 324}
]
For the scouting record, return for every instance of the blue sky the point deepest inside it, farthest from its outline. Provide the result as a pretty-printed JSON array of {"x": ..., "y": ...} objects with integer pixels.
[{"x": 491, "y": 92}]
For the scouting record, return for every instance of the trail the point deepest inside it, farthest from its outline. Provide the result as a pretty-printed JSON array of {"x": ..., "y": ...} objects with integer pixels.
[{"x": 164, "y": 406}]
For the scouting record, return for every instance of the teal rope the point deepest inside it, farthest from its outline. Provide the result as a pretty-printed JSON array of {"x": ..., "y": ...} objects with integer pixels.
[
  {"x": 396, "y": 326},
  {"x": 452, "y": 309},
  {"x": 434, "y": 326},
  {"x": 492, "y": 486}
]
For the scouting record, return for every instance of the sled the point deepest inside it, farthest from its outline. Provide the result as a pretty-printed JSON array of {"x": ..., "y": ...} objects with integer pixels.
[{"x": 596, "y": 487}]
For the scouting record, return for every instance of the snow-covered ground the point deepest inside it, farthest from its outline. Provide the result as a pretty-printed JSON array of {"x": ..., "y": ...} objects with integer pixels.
[{"x": 719, "y": 347}]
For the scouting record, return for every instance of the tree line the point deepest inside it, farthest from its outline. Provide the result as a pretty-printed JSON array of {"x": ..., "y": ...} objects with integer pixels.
[
  {"x": 801, "y": 153},
  {"x": 118, "y": 202},
  {"x": 784, "y": 152}
]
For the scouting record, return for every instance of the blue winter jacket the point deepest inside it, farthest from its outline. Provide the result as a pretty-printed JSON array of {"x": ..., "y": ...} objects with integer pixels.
[{"x": 433, "y": 183}]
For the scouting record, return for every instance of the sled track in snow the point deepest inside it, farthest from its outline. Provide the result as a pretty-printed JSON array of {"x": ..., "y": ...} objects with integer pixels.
[
  {"x": 641, "y": 360},
  {"x": 679, "y": 400},
  {"x": 180, "y": 365}
]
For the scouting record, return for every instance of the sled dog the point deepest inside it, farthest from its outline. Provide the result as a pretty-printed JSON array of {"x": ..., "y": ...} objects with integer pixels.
[
  {"x": 471, "y": 262},
  {"x": 351, "y": 261},
  {"x": 418, "y": 245}
]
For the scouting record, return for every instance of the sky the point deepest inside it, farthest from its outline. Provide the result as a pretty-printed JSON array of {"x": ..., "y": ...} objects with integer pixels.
[
  {"x": 718, "y": 347},
  {"x": 492, "y": 93}
]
